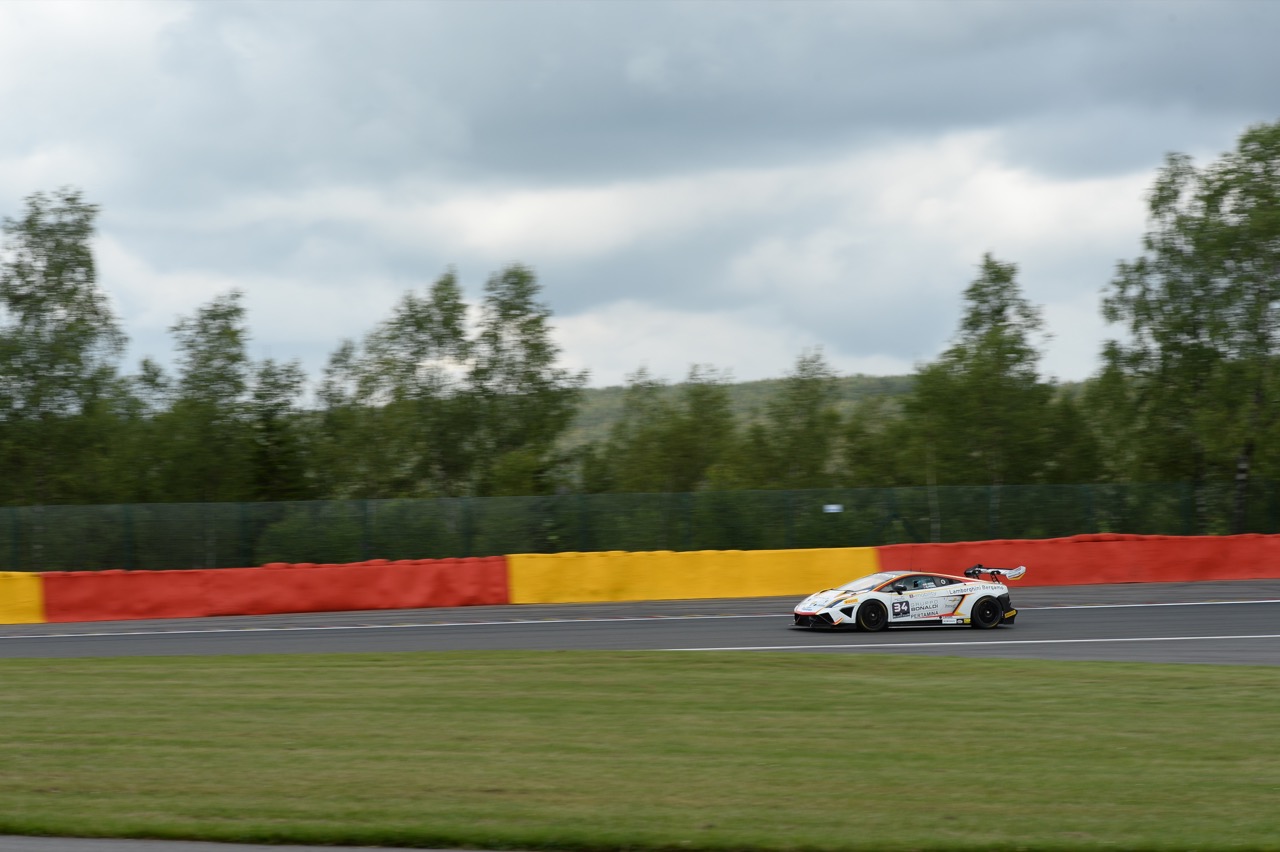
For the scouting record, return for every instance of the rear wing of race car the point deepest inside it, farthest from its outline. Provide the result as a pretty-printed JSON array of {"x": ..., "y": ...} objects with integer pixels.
[{"x": 995, "y": 573}]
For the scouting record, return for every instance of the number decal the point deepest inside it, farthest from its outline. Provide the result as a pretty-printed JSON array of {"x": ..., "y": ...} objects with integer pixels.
[{"x": 901, "y": 609}]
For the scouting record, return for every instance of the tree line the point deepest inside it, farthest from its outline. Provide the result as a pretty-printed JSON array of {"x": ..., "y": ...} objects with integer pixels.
[{"x": 435, "y": 402}]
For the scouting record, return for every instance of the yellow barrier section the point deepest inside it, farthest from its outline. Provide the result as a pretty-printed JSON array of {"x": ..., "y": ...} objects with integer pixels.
[
  {"x": 21, "y": 598},
  {"x": 666, "y": 575}
]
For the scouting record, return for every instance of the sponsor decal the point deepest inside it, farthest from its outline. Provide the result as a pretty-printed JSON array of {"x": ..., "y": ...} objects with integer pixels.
[{"x": 901, "y": 609}]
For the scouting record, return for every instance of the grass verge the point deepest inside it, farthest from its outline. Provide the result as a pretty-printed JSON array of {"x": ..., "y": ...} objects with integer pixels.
[{"x": 640, "y": 751}]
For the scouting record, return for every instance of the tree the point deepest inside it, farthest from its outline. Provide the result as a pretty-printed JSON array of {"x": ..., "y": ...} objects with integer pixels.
[
  {"x": 522, "y": 400},
  {"x": 59, "y": 344},
  {"x": 1201, "y": 308},
  {"x": 131, "y": 461},
  {"x": 667, "y": 440},
  {"x": 395, "y": 420},
  {"x": 278, "y": 468},
  {"x": 793, "y": 444},
  {"x": 352, "y": 452},
  {"x": 980, "y": 410},
  {"x": 703, "y": 430},
  {"x": 205, "y": 431},
  {"x": 1074, "y": 453},
  {"x": 422, "y": 408},
  {"x": 873, "y": 445},
  {"x": 422, "y": 351},
  {"x": 224, "y": 428},
  {"x": 628, "y": 460}
]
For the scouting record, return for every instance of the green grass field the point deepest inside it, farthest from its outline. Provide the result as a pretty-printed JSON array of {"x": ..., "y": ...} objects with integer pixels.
[{"x": 636, "y": 751}]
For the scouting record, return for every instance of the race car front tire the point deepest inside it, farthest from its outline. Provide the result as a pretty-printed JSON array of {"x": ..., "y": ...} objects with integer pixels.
[
  {"x": 987, "y": 613},
  {"x": 872, "y": 617}
]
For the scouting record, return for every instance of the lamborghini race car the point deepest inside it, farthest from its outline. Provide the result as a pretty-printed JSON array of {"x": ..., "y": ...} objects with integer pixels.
[{"x": 979, "y": 598}]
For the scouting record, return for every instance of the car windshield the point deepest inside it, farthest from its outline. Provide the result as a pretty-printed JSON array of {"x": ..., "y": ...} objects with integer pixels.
[{"x": 870, "y": 581}]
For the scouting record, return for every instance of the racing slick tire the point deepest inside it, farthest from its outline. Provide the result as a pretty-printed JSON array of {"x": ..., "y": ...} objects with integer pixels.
[
  {"x": 987, "y": 613},
  {"x": 872, "y": 617}
]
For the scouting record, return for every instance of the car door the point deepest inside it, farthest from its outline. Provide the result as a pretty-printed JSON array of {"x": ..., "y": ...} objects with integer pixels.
[
  {"x": 912, "y": 599},
  {"x": 926, "y": 597}
]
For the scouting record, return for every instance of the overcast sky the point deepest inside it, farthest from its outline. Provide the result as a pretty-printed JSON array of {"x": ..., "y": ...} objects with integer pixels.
[{"x": 723, "y": 183}]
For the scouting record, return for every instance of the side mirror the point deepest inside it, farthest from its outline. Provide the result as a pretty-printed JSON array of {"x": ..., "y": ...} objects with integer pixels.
[{"x": 899, "y": 587}]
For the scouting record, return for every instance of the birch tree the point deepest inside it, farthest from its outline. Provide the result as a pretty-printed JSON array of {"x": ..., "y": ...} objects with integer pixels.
[
  {"x": 59, "y": 343},
  {"x": 1200, "y": 308}
]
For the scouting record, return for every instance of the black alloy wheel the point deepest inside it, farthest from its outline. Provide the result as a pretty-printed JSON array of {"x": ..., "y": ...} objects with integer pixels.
[
  {"x": 873, "y": 617},
  {"x": 987, "y": 614}
]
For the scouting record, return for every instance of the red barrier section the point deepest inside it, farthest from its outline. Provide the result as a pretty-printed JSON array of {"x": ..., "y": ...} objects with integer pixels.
[
  {"x": 278, "y": 588},
  {"x": 1103, "y": 558}
]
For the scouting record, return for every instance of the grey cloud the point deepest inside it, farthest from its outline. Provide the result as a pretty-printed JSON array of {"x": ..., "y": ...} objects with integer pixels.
[
  {"x": 542, "y": 91},
  {"x": 274, "y": 99}
]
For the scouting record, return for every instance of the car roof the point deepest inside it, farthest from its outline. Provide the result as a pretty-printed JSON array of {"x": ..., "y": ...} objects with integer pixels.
[{"x": 897, "y": 574}]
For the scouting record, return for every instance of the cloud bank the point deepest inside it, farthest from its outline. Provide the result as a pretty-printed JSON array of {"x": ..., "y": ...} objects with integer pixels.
[{"x": 727, "y": 184}]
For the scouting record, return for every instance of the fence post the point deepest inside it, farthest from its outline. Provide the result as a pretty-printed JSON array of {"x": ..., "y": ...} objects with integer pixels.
[
  {"x": 466, "y": 526},
  {"x": 130, "y": 549},
  {"x": 585, "y": 530},
  {"x": 993, "y": 511},
  {"x": 687, "y": 499},
  {"x": 1188, "y": 508},
  {"x": 37, "y": 543},
  {"x": 246, "y": 535},
  {"x": 365, "y": 549},
  {"x": 16, "y": 538},
  {"x": 788, "y": 506},
  {"x": 1271, "y": 503}
]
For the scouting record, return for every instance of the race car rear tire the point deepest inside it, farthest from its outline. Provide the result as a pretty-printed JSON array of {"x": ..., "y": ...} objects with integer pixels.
[
  {"x": 872, "y": 617},
  {"x": 987, "y": 613}
]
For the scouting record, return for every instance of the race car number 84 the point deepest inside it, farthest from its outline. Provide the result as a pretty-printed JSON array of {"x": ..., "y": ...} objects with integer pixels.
[{"x": 901, "y": 608}]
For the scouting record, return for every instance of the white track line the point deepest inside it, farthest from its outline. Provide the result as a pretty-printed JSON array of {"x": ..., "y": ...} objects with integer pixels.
[
  {"x": 331, "y": 627},
  {"x": 526, "y": 622},
  {"x": 993, "y": 643},
  {"x": 1129, "y": 606}
]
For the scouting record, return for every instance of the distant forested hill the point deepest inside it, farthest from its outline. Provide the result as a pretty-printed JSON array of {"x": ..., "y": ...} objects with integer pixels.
[{"x": 601, "y": 407}]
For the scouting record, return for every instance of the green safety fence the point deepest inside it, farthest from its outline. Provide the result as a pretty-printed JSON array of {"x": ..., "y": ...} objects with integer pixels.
[{"x": 213, "y": 535}]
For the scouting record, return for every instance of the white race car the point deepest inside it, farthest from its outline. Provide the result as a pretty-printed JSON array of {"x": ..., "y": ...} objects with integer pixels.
[{"x": 890, "y": 598}]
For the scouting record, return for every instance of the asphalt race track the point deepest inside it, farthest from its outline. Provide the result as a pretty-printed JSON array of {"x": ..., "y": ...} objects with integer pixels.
[{"x": 1228, "y": 623}]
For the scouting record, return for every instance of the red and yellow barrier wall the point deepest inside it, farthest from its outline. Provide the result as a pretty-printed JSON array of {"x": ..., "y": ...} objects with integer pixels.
[{"x": 27, "y": 598}]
